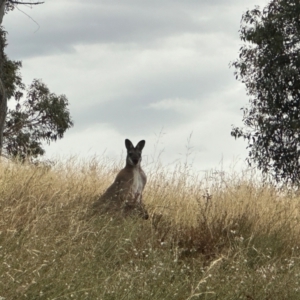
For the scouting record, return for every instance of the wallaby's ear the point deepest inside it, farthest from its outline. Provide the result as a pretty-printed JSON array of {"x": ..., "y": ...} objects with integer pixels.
[
  {"x": 128, "y": 144},
  {"x": 141, "y": 145}
]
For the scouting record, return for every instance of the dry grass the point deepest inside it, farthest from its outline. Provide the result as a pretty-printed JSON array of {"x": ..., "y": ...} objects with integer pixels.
[{"x": 216, "y": 237}]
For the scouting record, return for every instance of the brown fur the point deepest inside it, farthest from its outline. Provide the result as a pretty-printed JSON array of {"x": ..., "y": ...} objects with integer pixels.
[{"x": 125, "y": 193}]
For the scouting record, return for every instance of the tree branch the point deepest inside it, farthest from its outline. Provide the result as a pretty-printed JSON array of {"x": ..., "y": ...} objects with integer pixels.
[
  {"x": 29, "y": 3},
  {"x": 31, "y": 20}
]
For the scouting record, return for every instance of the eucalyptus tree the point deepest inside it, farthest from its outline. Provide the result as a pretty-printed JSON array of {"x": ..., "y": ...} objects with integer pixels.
[
  {"x": 39, "y": 115},
  {"x": 268, "y": 65}
]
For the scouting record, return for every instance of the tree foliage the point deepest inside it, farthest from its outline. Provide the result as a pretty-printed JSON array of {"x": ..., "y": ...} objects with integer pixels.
[
  {"x": 42, "y": 116},
  {"x": 39, "y": 115},
  {"x": 268, "y": 65}
]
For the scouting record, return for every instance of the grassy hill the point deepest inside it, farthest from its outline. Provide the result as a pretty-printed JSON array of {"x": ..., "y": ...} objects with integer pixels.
[{"x": 216, "y": 237}]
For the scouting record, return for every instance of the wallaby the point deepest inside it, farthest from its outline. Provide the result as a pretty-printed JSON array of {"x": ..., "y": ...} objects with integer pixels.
[{"x": 125, "y": 194}]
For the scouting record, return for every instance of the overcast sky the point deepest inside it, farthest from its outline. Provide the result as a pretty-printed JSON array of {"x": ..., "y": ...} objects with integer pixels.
[{"x": 156, "y": 70}]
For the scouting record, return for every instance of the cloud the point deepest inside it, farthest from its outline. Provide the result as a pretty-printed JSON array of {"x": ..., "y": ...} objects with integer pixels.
[
  {"x": 60, "y": 26},
  {"x": 177, "y": 104}
]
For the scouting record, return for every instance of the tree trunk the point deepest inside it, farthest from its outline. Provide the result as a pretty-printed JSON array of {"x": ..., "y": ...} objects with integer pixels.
[{"x": 3, "y": 99}]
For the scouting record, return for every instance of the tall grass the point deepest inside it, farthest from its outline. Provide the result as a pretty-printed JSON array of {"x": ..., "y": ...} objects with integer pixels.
[{"x": 218, "y": 236}]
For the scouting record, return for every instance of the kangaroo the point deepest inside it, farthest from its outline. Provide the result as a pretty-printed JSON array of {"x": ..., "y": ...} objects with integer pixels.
[{"x": 125, "y": 193}]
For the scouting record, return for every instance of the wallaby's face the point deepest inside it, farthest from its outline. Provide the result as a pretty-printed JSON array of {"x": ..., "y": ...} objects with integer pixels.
[{"x": 134, "y": 154}]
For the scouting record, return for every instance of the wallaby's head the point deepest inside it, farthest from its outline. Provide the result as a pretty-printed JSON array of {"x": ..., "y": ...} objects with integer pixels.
[{"x": 134, "y": 154}]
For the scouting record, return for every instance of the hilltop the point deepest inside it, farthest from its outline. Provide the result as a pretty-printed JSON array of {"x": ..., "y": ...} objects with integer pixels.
[{"x": 222, "y": 236}]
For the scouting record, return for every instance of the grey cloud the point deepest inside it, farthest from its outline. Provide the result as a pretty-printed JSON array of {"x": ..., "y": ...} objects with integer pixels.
[
  {"x": 135, "y": 114},
  {"x": 128, "y": 118},
  {"x": 111, "y": 22},
  {"x": 97, "y": 26}
]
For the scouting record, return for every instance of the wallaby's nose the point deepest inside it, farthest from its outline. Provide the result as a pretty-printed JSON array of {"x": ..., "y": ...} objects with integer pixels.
[{"x": 135, "y": 161}]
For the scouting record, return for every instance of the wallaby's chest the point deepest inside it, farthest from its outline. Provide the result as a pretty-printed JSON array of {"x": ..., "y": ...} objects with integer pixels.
[{"x": 137, "y": 182}]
